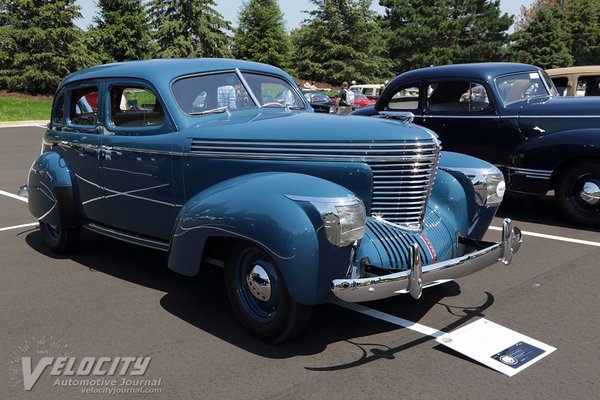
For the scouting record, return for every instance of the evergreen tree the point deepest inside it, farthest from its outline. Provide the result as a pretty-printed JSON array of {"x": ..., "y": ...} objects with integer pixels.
[
  {"x": 189, "y": 28},
  {"x": 438, "y": 32},
  {"x": 583, "y": 22},
  {"x": 40, "y": 44},
  {"x": 261, "y": 34},
  {"x": 122, "y": 30},
  {"x": 545, "y": 41},
  {"x": 340, "y": 42}
]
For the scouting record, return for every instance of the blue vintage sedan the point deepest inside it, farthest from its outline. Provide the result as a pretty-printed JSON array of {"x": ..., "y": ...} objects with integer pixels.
[{"x": 224, "y": 162}]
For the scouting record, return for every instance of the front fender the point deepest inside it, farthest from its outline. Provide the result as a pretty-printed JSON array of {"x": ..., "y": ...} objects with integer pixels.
[
  {"x": 455, "y": 196},
  {"x": 547, "y": 154},
  {"x": 51, "y": 191},
  {"x": 254, "y": 207}
]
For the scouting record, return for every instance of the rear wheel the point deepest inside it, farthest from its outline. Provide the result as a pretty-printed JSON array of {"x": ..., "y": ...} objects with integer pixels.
[
  {"x": 59, "y": 238},
  {"x": 259, "y": 296},
  {"x": 578, "y": 193}
]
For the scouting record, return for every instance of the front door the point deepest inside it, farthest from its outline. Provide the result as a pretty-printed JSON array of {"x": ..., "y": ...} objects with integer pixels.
[{"x": 464, "y": 115}]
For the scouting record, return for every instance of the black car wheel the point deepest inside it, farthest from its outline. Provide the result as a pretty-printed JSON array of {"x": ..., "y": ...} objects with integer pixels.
[
  {"x": 259, "y": 296},
  {"x": 578, "y": 193},
  {"x": 59, "y": 238}
]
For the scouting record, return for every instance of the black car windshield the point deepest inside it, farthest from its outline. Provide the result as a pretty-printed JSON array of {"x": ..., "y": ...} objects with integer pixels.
[
  {"x": 316, "y": 97},
  {"x": 221, "y": 92},
  {"x": 521, "y": 86}
]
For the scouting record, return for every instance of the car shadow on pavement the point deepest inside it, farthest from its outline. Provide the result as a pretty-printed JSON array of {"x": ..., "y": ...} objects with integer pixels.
[
  {"x": 539, "y": 210},
  {"x": 202, "y": 302}
]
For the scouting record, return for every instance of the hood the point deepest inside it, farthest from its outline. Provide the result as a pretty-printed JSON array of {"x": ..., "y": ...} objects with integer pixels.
[
  {"x": 561, "y": 106},
  {"x": 279, "y": 124},
  {"x": 557, "y": 114}
]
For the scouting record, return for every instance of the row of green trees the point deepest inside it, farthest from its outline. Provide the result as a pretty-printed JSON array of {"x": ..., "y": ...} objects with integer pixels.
[{"x": 339, "y": 40}]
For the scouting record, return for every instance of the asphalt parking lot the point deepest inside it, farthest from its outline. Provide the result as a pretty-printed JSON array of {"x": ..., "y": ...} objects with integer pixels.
[{"x": 112, "y": 299}]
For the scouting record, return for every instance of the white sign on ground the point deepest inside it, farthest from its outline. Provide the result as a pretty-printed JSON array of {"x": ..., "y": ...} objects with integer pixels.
[{"x": 495, "y": 346}]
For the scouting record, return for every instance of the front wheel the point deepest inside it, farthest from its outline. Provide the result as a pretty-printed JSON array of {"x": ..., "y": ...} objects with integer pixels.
[
  {"x": 578, "y": 193},
  {"x": 259, "y": 296},
  {"x": 59, "y": 238}
]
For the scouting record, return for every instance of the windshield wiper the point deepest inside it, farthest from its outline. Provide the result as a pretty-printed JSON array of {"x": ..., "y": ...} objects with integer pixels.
[{"x": 213, "y": 111}]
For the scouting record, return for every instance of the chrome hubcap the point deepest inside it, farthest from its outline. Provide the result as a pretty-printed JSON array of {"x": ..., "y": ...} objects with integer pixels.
[
  {"x": 590, "y": 193},
  {"x": 259, "y": 283}
]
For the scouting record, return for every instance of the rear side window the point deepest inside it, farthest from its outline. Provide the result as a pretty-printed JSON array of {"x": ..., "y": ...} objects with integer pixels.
[
  {"x": 58, "y": 112},
  {"x": 588, "y": 86},
  {"x": 406, "y": 99},
  {"x": 84, "y": 106},
  {"x": 135, "y": 106}
]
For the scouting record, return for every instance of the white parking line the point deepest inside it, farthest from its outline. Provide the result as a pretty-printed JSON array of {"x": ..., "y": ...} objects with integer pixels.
[
  {"x": 553, "y": 237},
  {"x": 13, "y": 196},
  {"x": 425, "y": 330},
  {"x": 18, "y": 226}
]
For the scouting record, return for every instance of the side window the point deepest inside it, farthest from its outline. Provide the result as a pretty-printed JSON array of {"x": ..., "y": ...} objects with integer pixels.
[
  {"x": 134, "y": 106},
  {"x": 406, "y": 99},
  {"x": 588, "y": 86},
  {"x": 457, "y": 97},
  {"x": 84, "y": 106},
  {"x": 562, "y": 84}
]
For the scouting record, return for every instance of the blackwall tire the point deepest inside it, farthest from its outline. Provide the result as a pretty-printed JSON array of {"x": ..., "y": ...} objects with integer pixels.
[
  {"x": 570, "y": 193},
  {"x": 59, "y": 238}
]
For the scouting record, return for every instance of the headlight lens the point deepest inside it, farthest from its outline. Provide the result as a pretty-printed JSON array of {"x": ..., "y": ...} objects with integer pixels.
[
  {"x": 344, "y": 218},
  {"x": 488, "y": 183}
]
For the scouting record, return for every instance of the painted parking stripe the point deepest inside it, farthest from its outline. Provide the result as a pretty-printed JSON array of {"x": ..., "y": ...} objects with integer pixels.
[
  {"x": 392, "y": 319},
  {"x": 13, "y": 196},
  {"x": 553, "y": 237},
  {"x": 18, "y": 226}
]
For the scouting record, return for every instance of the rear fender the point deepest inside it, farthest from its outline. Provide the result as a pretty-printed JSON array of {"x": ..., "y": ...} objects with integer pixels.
[
  {"x": 51, "y": 191},
  {"x": 255, "y": 208}
]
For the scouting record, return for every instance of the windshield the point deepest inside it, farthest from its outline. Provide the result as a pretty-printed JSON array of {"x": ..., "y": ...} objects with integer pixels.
[
  {"x": 225, "y": 92},
  {"x": 314, "y": 97},
  {"x": 358, "y": 94},
  {"x": 521, "y": 86}
]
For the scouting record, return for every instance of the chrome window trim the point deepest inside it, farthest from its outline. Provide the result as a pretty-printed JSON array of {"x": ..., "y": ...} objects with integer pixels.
[{"x": 519, "y": 73}]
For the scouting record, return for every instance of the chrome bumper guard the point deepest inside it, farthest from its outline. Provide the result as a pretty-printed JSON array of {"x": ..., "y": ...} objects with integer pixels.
[{"x": 418, "y": 277}]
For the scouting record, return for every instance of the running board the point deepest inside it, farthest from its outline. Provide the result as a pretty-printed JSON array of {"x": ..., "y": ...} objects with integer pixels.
[{"x": 128, "y": 237}]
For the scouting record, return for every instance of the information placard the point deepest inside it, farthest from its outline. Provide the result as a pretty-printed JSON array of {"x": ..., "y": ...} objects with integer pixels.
[{"x": 495, "y": 346}]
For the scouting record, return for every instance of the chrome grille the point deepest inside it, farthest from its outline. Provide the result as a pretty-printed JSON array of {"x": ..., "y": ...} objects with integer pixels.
[
  {"x": 403, "y": 170},
  {"x": 401, "y": 189}
]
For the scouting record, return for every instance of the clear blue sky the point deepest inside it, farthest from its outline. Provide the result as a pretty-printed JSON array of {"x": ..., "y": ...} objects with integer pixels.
[{"x": 291, "y": 8}]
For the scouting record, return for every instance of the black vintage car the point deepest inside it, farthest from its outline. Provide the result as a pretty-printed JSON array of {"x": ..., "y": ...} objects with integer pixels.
[
  {"x": 510, "y": 115},
  {"x": 319, "y": 101}
]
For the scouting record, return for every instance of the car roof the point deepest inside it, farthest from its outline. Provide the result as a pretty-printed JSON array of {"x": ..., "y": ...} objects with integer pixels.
[
  {"x": 483, "y": 71},
  {"x": 168, "y": 69},
  {"x": 585, "y": 69}
]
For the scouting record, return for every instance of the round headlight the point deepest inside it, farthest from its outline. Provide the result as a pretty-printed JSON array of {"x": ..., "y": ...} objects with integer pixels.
[{"x": 344, "y": 218}]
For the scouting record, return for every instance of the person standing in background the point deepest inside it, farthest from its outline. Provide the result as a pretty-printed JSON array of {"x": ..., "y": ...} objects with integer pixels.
[{"x": 345, "y": 105}]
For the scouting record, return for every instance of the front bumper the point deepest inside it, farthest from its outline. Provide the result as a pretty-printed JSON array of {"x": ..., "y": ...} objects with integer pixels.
[{"x": 418, "y": 277}]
